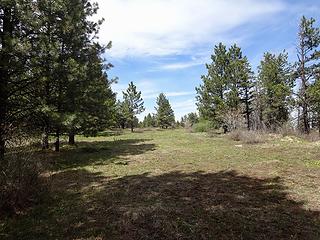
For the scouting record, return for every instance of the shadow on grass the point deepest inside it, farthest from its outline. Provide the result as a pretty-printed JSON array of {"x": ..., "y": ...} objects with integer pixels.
[
  {"x": 114, "y": 132},
  {"x": 221, "y": 205},
  {"x": 99, "y": 153}
]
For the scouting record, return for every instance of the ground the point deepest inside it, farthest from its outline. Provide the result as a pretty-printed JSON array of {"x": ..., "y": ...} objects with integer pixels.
[{"x": 174, "y": 184}]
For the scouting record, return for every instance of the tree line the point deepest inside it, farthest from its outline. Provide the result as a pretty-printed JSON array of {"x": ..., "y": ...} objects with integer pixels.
[
  {"x": 53, "y": 77},
  {"x": 132, "y": 105},
  {"x": 281, "y": 92}
]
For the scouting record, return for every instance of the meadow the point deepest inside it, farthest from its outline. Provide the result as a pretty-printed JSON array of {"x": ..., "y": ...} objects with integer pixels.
[{"x": 174, "y": 184}]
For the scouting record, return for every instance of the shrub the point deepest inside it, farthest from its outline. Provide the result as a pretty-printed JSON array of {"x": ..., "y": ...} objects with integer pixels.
[
  {"x": 249, "y": 137},
  {"x": 312, "y": 137},
  {"x": 202, "y": 126},
  {"x": 20, "y": 181}
]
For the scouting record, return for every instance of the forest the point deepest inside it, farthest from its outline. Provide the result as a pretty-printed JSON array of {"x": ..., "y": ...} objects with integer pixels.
[{"x": 77, "y": 160}]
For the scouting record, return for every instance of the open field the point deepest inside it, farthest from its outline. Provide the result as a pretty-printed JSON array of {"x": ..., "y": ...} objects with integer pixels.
[{"x": 177, "y": 185}]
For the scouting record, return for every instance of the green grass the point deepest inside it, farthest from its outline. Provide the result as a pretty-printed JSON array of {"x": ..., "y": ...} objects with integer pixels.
[{"x": 176, "y": 185}]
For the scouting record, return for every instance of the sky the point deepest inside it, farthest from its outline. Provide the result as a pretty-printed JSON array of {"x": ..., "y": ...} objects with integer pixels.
[{"x": 163, "y": 45}]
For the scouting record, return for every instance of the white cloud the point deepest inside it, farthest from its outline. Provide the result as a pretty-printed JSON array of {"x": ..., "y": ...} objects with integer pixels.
[
  {"x": 164, "y": 27},
  {"x": 154, "y": 95},
  {"x": 181, "y": 65},
  {"x": 147, "y": 87},
  {"x": 182, "y": 108}
]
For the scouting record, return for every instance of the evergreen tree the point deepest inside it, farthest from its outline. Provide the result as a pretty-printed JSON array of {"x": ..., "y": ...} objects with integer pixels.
[
  {"x": 239, "y": 86},
  {"x": 133, "y": 104},
  {"x": 233, "y": 78},
  {"x": 247, "y": 91},
  {"x": 226, "y": 93},
  {"x": 74, "y": 92},
  {"x": 211, "y": 95},
  {"x": 120, "y": 115},
  {"x": 314, "y": 93},
  {"x": 276, "y": 88},
  {"x": 148, "y": 121},
  {"x": 192, "y": 118},
  {"x": 165, "y": 114},
  {"x": 17, "y": 39},
  {"x": 96, "y": 106},
  {"x": 309, "y": 40}
]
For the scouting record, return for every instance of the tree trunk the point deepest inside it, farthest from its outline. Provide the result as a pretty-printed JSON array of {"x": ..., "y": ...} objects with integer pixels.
[
  {"x": 131, "y": 127},
  {"x": 306, "y": 125},
  {"x": 57, "y": 142},
  {"x": 247, "y": 109},
  {"x": 45, "y": 139},
  {"x": 319, "y": 125},
  {"x": 2, "y": 152},
  {"x": 71, "y": 139},
  {"x": 305, "y": 118}
]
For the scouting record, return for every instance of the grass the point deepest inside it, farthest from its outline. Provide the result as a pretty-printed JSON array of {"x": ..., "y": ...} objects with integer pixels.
[{"x": 177, "y": 185}]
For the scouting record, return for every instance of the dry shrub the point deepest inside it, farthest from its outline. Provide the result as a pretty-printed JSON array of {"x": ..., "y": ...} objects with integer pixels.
[
  {"x": 248, "y": 137},
  {"x": 20, "y": 181},
  {"x": 234, "y": 120},
  {"x": 312, "y": 137},
  {"x": 287, "y": 130}
]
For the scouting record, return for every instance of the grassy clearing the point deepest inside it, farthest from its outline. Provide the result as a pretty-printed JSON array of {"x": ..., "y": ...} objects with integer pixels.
[{"x": 177, "y": 185}]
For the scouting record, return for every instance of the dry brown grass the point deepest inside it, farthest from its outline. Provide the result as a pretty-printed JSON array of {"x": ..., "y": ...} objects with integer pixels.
[{"x": 248, "y": 137}]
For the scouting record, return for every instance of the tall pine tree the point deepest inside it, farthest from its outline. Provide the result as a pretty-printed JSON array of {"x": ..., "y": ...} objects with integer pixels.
[
  {"x": 18, "y": 22},
  {"x": 276, "y": 85},
  {"x": 211, "y": 94},
  {"x": 308, "y": 55}
]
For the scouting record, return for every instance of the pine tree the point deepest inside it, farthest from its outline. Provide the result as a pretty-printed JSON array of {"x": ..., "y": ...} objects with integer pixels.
[
  {"x": 234, "y": 75},
  {"x": 17, "y": 39},
  {"x": 211, "y": 95},
  {"x": 148, "y": 121},
  {"x": 239, "y": 86},
  {"x": 74, "y": 92},
  {"x": 132, "y": 104},
  {"x": 120, "y": 115},
  {"x": 192, "y": 118},
  {"x": 276, "y": 88},
  {"x": 96, "y": 106},
  {"x": 309, "y": 41},
  {"x": 247, "y": 91},
  {"x": 314, "y": 93},
  {"x": 165, "y": 114},
  {"x": 226, "y": 94}
]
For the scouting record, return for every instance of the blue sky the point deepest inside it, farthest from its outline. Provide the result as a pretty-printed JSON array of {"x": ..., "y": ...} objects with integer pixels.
[{"x": 163, "y": 45}]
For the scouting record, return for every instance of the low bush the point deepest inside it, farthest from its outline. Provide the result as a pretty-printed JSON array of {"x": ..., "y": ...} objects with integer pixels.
[
  {"x": 20, "y": 181},
  {"x": 313, "y": 136},
  {"x": 202, "y": 126}
]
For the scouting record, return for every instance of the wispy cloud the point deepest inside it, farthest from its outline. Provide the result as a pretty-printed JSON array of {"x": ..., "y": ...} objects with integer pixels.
[
  {"x": 181, "y": 108},
  {"x": 154, "y": 95},
  {"x": 164, "y": 27},
  {"x": 180, "y": 65}
]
